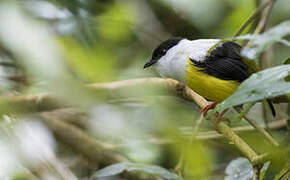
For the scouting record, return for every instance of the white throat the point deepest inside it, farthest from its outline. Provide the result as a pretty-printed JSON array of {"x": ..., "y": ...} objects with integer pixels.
[{"x": 173, "y": 63}]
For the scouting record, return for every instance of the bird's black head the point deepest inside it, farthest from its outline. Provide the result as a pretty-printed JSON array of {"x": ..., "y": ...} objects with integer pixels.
[{"x": 161, "y": 50}]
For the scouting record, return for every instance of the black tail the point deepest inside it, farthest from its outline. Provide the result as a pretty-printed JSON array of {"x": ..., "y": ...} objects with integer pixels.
[{"x": 271, "y": 107}]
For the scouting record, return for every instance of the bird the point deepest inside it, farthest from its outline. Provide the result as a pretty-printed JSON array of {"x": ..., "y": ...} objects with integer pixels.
[{"x": 213, "y": 68}]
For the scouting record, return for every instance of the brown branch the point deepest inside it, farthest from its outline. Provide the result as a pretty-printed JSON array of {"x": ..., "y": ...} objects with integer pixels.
[
  {"x": 169, "y": 84},
  {"x": 93, "y": 150},
  {"x": 30, "y": 103},
  {"x": 96, "y": 152},
  {"x": 173, "y": 86},
  {"x": 110, "y": 90}
]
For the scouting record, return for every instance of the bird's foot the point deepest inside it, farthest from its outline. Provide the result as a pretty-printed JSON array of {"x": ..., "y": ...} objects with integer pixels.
[
  {"x": 208, "y": 107},
  {"x": 220, "y": 118}
]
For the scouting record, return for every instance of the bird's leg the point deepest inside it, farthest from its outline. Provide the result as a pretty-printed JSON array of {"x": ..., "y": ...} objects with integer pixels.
[
  {"x": 219, "y": 115},
  {"x": 220, "y": 118},
  {"x": 208, "y": 107}
]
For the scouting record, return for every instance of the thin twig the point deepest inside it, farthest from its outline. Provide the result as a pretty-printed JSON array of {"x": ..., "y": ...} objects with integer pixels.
[
  {"x": 256, "y": 172},
  {"x": 252, "y": 17},
  {"x": 261, "y": 159},
  {"x": 180, "y": 163},
  {"x": 211, "y": 135},
  {"x": 263, "y": 22},
  {"x": 260, "y": 129},
  {"x": 264, "y": 18},
  {"x": 197, "y": 126},
  {"x": 244, "y": 111}
]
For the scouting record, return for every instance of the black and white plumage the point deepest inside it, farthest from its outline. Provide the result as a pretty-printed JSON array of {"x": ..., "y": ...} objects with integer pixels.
[
  {"x": 225, "y": 62},
  {"x": 211, "y": 67}
]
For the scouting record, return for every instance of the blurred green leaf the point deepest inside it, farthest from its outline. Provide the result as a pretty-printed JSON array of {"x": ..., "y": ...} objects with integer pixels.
[
  {"x": 261, "y": 85},
  {"x": 239, "y": 169},
  {"x": 93, "y": 64},
  {"x": 197, "y": 160},
  {"x": 287, "y": 61},
  {"x": 127, "y": 166},
  {"x": 114, "y": 23},
  {"x": 237, "y": 16},
  {"x": 260, "y": 42}
]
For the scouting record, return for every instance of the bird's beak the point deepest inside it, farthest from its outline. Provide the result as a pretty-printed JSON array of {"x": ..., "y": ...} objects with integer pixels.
[{"x": 149, "y": 63}]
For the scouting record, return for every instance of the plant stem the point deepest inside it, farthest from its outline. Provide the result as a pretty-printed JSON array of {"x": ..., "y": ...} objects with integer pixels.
[
  {"x": 256, "y": 172},
  {"x": 237, "y": 141},
  {"x": 260, "y": 129},
  {"x": 264, "y": 18},
  {"x": 244, "y": 111},
  {"x": 252, "y": 17}
]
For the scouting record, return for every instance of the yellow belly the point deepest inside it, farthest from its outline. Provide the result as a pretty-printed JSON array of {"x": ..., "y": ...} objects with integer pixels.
[{"x": 209, "y": 87}]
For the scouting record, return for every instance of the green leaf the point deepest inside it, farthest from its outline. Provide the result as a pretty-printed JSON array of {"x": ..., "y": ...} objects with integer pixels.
[
  {"x": 287, "y": 61},
  {"x": 260, "y": 42},
  {"x": 265, "y": 84},
  {"x": 127, "y": 166},
  {"x": 239, "y": 169}
]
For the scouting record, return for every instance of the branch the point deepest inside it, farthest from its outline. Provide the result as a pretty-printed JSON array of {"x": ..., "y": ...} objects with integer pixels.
[
  {"x": 110, "y": 90},
  {"x": 252, "y": 17},
  {"x": 264, "y": 18},
  {"x": 171, "y": 85},
  {"x": 260, "y": 129},
  {"x": 77, "y": 117},
  {"x": 97, "y": 152},
  {"x": 93, "y": 150},
  {"x": 212, "y": 135},
  {"x": 20, "y": 103},
  {"x": 261, "y": 159},
  {"x": 237, "y": 141},
  {"x": 221, "y": 127},
  {"x": 256, "y": 172}
]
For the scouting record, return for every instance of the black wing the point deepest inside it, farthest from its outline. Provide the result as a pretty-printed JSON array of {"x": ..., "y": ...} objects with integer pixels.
[{"x": 225, "y": 62}]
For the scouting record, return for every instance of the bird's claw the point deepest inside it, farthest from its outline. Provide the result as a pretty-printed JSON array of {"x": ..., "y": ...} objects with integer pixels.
[{"x": 207, "y": 108}]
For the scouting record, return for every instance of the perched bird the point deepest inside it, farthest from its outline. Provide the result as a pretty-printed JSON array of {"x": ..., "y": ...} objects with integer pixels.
[{"x": 211, "y": 67}]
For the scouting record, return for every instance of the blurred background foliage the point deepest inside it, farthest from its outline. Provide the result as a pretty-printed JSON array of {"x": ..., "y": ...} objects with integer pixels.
[{"x": 59, "y": 46}]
